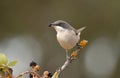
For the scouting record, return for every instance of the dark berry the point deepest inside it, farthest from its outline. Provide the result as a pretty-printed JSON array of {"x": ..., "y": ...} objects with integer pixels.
[{"x": 33, "y": 64}]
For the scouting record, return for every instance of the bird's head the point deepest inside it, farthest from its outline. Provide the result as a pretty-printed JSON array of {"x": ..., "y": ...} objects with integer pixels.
[{"x": 59, "y": 25}]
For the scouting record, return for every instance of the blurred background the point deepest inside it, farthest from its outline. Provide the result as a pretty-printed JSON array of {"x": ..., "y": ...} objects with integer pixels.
[{"x": 25, "y": 35}]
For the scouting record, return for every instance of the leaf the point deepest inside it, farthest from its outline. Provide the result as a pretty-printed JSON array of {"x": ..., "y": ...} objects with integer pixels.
[
  {"x": 83, "y": 43},
  {"x": 3, "y": 59},
  {"x": 74, "y": 54},
  {"x": 55, "y": 75},
  {"x": 12, "y": 63}
]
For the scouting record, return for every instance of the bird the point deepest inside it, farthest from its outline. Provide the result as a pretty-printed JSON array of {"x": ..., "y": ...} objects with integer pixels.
[{"x": 67, "y": 36}]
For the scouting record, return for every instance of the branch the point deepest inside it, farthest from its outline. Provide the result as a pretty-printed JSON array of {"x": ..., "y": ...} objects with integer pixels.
[
  {"x": 69, "y": 60},
  {"x": 47, "y": 74}
]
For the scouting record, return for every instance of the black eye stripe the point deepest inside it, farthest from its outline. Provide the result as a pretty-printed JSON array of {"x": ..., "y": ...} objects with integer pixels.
[{"x": 60, "y": 24}]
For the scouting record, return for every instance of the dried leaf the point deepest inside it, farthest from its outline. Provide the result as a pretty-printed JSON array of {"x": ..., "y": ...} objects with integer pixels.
[
  {"x": 12, "y": 63},
  {"x": 83, "y": 43},
  {"x": 74, "y": 54}
]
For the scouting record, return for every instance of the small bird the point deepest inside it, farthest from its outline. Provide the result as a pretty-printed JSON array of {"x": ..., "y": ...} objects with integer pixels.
[{"x": 67, "y": 36}]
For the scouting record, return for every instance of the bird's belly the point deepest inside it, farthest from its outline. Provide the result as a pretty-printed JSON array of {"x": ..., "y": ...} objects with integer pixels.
[{"x": 67, "y": 40}]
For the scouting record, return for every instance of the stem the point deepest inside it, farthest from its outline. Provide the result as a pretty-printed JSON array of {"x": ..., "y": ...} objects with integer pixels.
[{"x": 67, "y": 62}]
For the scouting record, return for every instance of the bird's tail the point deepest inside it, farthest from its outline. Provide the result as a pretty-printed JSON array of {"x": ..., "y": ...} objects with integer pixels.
[{"x": 81, "y": 29}]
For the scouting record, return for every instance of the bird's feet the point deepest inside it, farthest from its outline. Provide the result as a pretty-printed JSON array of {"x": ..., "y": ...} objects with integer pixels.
[{"x": 67, "y": 57}]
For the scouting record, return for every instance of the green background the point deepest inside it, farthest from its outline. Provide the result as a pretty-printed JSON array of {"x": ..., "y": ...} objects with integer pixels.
[{"x": 25, "y": 35}]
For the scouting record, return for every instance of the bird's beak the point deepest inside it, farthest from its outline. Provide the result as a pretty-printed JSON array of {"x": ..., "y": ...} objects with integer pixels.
[{"x": 52, "y": 24}]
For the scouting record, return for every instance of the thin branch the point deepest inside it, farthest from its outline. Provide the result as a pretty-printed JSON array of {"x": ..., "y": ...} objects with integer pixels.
[{"x": 67, "y": 62}]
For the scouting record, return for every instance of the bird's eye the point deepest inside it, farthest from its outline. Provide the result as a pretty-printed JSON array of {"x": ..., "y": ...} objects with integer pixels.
[{"x": 60, "y": 24}]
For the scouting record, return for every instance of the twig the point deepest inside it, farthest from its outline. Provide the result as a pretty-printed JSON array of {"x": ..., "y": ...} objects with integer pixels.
[
  {"x": 74, "y": 54},
  {"x": 67, "y": 62}
]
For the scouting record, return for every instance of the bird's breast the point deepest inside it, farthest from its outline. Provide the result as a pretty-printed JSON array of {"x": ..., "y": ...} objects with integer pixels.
[{"x": 67, "y": 39}]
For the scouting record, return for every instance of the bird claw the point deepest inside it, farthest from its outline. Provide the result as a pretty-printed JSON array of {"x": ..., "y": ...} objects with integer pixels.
[{"x": 67, "y": 57}]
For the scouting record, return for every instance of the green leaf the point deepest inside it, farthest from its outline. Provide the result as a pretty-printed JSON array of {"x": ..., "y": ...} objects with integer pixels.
[
  {"x": 12, "y": 63},
  {"x": 3, "y": 59}
]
